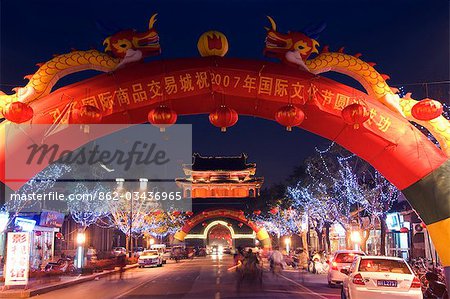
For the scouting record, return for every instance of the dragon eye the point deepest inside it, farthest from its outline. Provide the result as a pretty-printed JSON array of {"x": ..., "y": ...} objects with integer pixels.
[{"x": 123, "y": 45}]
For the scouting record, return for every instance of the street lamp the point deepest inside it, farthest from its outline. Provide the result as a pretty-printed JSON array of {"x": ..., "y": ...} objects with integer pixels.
[
  {"x": 355, "y": 237},
  {"x": 287, "y": 241},
  {"x": 81, "y": 239}
]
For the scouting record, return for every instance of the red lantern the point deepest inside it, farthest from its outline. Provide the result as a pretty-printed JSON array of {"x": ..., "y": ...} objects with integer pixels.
[
  {"x": 18, "y": 112},
  {"x": 176, "y": 213},
  {"x": 59, "y": 235},
  {"x": 87, "y": 114},
  {"x": 355, "y": 114},
  {"x": 257, "y": 212},
  {"x": 223, "y": 117},
  {"x": 189, "y": 213},
  {"x": 427, "y": 109},
  {"x": 240, "y": 224},
  {"x": 404, "y": 230},
  {"x": 162, "y": 117},
  {"x": 273, "y": 211},
  {"x": 38, "y": 233},
  {"x": 289, "y": 116},
  {"x": 204, "y": 224}
]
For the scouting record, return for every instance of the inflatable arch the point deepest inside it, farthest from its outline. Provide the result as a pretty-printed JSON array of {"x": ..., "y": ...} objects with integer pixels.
[
  {"x": 374, "y": 125},
  {"x": 261, "y": 233}
]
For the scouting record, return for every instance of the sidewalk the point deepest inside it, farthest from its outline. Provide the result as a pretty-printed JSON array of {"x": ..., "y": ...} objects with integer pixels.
[{"x": 66, "y": 281}]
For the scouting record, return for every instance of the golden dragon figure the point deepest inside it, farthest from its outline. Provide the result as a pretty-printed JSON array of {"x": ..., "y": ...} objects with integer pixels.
[
  {"x": 294, "y": 48},
  {"x": 121, "y": 48}
]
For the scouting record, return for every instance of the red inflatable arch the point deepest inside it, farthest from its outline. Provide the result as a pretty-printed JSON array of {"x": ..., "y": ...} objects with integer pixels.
[{"x": 261, "y": 233}]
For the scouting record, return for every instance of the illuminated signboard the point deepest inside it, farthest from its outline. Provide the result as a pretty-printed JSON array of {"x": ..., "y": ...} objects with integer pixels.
[
  {"x": 26, "y": 224},
  {"x": 393, "y": 221},
  {"x": 18, "y": 258},
  {"x": 51, "y": 219},
  {"x": 4, "y": 218}
]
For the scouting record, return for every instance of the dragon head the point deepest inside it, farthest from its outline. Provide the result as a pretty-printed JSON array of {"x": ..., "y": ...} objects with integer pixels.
[
  {"x": 299, "y": 44},
  {"x": 121, "y": 44}
]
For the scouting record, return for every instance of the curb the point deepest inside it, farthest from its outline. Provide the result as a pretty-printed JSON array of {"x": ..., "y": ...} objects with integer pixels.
[{"x": 46, "y": 289}]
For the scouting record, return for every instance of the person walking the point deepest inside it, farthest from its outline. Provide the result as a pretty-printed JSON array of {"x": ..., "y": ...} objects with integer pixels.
[{"x": 121, "y": 262}]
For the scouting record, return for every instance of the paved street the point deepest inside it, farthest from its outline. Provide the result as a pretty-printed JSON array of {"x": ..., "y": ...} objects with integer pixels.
[{"x": 199, "y": 278}]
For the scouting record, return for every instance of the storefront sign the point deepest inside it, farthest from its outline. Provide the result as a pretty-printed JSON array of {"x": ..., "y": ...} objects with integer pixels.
[
  {"x": 25, "y": 224},
  {"x": 51, "y": 219},
  {"x": 18, "y": 258}
]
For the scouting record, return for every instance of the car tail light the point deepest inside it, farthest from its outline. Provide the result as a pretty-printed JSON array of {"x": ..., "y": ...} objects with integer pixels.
[
  {"x": 357, "y": 279},
  {"x": 334, "y": 266},
  {"x": 416, "y": 283}
]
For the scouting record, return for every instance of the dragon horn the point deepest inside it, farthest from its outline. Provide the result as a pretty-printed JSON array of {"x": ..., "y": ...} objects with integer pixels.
[
  {"x": 152, "y": 21},
  {"x": 272, "y": 22}
]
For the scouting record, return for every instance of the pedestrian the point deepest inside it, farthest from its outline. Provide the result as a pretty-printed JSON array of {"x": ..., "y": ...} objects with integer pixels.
[
  {"x": 276, "y": 261},
  {"x": 121, "y": 262}
]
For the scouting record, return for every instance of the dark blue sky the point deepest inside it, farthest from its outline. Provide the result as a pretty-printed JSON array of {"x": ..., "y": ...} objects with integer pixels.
[{"x": 409, "y": 40}]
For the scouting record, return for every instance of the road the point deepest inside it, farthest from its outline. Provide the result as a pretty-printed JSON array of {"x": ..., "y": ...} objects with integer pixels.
[{"x": 199, "y": 278}]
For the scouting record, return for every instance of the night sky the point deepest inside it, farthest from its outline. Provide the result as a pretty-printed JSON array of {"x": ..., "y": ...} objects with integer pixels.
[{"x": 409, "y": 40}]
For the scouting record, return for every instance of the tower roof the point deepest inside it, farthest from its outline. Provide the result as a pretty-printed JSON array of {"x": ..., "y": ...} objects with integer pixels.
[{"x": 235, "y": 163}]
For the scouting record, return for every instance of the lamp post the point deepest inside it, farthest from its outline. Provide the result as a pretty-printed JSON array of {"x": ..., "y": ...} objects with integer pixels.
[
  {"x": 81, "y": 239},
  {"x": 287, "y": 242},
  {"x": 355, "y": 237}
]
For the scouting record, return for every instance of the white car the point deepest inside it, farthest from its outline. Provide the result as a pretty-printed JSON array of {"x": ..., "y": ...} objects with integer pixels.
[
  {"x": 150, "y": 258},
  {"x": 380, "y": 277},
  {"x": 341, "y": 259}
]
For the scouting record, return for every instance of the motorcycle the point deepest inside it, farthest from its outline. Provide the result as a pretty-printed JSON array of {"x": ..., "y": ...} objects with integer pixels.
[
  {"x": 435, "y": 288},
  {"x": 64, "y": 265}
]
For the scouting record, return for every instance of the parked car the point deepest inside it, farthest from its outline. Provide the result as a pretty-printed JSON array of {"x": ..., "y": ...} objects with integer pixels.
[
  {"x": 380, "y": 277},
  {"x": 341, "y": 259},
  {"x": 161, "y": 248},
  {"x": 137, "y": 251},
  {"x": 150, "y": 258},
  {"x": 118, "y": 250}
]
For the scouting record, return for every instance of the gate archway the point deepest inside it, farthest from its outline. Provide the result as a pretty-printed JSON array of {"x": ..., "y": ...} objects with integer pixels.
[{"x": 386, "y": 139}]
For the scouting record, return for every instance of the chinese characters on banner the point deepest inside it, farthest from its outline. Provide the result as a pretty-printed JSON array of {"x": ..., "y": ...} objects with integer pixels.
[
  {"x": 240, "y": 83},
  {"x": 18, "y": 258}
]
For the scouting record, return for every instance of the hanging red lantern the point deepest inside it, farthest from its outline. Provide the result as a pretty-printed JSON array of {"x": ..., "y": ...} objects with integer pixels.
[
  {"x": 289, "y": 116},
  {"x": 38, "y": 233},
  {"x": 355, "y": 114},
  {"x": 87, "y": 114},
  {"x": 162, "y": 117},
  {"x": 240, "y": 224},
  {"x": 427, "y": 109},
  {"x": 204, "y": 224},
  {"x": 273, "y": 211},
  {"x": 257, "y": 212},
  {"x": 189, "y": 213},
  {"x": 404, "y": 230},
  {"x": 223, "y": 117},
  {"x": 18, "y": 112},
  {"x": 59, "y": 235}
]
